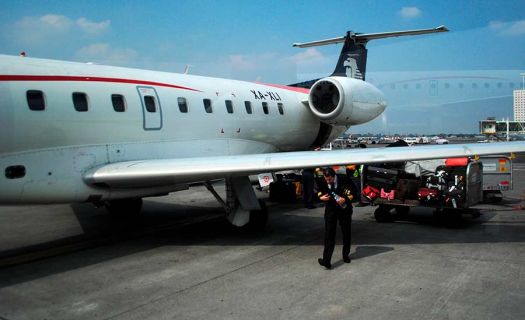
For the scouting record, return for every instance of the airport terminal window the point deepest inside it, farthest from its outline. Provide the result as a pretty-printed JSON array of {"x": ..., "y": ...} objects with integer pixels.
[
  {"x": 500, "y": 84},
  {"x": 447, "y": 85},
  {"x": 35, "y": 100},
  {"x": 474, "y": 85},
  {"x": 80, "y": 101},
  {"x": 248, "y": 106},
  {"x": 461, "y": 85},
  {"x": 487, "y": 85},
  {"x": 265, "y": 107},
  {"x": 229, "y": 106},
  {"x": 149, "y": 102},
  {"x": 418, "y": 86},
  {"x": 280, "y": 107},
  {"x": 511, "y": 85},
  {"x": 405, "y": 86},
  {"x": 392, "y": 86},
  {"x": 119, "y": 105},
  {"x": 183, "y": 105},
  {"x": 207, "y": 105}
]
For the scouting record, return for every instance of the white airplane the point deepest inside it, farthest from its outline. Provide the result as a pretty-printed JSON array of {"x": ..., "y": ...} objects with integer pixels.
[{"x": 74, "y": 132}]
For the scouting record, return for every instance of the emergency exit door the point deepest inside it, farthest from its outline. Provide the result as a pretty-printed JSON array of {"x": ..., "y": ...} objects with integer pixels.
[{"x": 151, "y": 109}]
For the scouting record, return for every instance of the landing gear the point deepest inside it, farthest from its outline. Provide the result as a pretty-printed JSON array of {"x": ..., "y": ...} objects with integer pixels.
[
  {"x": 124, "y": 208},
  {"x": 258, "y": 218},
  {"x": 242, "y": 207}
]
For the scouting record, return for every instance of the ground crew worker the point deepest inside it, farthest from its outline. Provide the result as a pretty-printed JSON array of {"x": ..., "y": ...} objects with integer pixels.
[{"x": 337, "y": 193}]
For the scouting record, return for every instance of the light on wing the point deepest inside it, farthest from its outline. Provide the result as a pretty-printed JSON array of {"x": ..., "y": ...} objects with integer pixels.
[{"x": 146, "y": 173}]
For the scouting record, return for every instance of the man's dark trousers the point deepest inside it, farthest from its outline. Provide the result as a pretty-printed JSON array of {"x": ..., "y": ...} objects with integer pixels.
[{"x": 331, "y": 216}]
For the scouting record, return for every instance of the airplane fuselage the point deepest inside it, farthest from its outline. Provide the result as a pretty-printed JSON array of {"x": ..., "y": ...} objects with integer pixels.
[{"x": 58, "y": 119}]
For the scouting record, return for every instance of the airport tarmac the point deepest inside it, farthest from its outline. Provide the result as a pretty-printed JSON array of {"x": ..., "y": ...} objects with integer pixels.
[{"x": 182, "y": 261}]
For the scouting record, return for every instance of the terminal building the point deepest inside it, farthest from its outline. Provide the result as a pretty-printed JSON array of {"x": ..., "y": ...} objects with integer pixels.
[{"x": 493, "y": 127}]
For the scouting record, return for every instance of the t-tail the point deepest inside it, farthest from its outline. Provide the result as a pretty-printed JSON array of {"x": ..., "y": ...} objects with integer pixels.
[{"x": 352, "y": 60}]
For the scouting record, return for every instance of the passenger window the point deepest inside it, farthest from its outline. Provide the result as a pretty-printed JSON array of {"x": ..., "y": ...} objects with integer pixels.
[
  {"x": 80, "y": 101},
  {"x": 265, "y": 107},
  {"x": 280, "y": 107},
  {"x": 248, "y": 106},
  {"x": 149, "y": 102},
  {"x": 183, "y": 106},
  {"x": 229, "y": 106},
  {"x": 35, "y": 100},
  {"x": 207, "y": 105},
  {"x": 119, "y": 105}
]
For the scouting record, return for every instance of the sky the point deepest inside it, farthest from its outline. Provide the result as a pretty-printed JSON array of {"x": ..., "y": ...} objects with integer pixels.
[{"x": 252, "y": 40}]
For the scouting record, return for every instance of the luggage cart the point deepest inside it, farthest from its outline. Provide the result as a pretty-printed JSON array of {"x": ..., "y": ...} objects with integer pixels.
[
  {"x": 395, "y": 190},
  {"x": 497, "y": 177}
]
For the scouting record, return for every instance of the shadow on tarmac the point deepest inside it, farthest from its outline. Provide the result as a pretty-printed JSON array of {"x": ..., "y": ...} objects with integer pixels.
[{"x": 289, "y": 225}]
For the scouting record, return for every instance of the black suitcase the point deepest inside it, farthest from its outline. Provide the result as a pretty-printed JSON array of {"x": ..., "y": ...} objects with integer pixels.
[
  {"x": 282, "y": 191},
  {"x": 407, "y": 189},
  {"x": 382, "y": 173},
  {"x": 381, "y": 183}
]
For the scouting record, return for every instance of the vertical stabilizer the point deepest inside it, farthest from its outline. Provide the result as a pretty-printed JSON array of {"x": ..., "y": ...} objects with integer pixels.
[{"x": 352, "y": 60}]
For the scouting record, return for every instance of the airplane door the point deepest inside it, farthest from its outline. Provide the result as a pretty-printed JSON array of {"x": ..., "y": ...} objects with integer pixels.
[
  {"x": 433, "y": 87},
  {"x": 151, "y": 109}
]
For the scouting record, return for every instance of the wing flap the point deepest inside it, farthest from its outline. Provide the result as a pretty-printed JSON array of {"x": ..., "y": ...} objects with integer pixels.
[{"x": 159, "y": 172}]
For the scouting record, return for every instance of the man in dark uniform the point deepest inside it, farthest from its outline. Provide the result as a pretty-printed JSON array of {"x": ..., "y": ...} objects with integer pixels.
[{"x": 337, "y": 193}]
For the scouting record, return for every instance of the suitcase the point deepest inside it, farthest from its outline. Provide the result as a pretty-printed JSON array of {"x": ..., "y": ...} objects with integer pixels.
[
  {"x": 388, "y": 195},
  {"x": 407, "y": 188},
  {"x": 428, "y": 195},
  {"x": 381, "y": 183},
  {"x": 283, "y": 191},
  {"x": 370, "y": 193},
  {"x": 382, "y": 173}
]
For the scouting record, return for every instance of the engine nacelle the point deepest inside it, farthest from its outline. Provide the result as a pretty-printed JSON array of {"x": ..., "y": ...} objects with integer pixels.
[{"x": 345, "y": 101}]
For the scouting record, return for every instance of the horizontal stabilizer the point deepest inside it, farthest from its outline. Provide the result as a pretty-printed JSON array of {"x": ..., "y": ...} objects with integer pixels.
[{"x": 365, "y": 37}]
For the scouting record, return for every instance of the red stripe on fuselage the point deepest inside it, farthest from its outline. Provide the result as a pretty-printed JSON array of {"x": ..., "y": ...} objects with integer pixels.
[
  {"x": 280, "y": 86},
  {"x": 90, "y": 79}
]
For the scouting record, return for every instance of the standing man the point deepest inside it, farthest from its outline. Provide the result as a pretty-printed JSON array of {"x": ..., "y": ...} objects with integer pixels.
[
  {"x": 308, "y": 188},
  {"x": 337, "y": 192}
]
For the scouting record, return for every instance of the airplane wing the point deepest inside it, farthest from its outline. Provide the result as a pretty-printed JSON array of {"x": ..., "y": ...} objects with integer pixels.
[{"x": 160, "y": 172}]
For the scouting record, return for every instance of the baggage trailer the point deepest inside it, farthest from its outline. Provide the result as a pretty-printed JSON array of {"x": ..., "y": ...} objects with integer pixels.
[
  {"x": 497, "y": 177},
  {"x": 451, "y": 189}
]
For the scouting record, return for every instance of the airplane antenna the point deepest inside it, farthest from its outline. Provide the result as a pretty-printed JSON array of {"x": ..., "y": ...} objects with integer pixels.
[{"x": 187, "y": 69}]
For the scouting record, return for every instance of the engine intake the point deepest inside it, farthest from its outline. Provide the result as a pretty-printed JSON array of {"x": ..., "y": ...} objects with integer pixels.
[{"x": 345, "y": 101}]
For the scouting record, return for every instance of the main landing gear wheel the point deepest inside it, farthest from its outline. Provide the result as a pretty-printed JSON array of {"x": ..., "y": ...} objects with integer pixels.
[
  {"x": 258, "y": 218},
  {"x": 124, "y": 208},
  {"x": 383, "y": 214}
]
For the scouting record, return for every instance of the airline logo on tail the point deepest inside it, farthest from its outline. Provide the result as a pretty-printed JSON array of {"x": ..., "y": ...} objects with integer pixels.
[{"x": 352, "y": 71}]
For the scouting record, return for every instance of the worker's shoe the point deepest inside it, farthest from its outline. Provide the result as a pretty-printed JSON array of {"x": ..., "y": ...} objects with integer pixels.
[
  {"x": 326, "y": 265},
  {"x": 347, "y": 259}
]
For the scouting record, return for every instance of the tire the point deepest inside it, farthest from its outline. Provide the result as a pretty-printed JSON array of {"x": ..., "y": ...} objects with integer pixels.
[
  {"x": 402, "y": 211},
  {"x": 258, "y": 218},
  {"x": 382, "y": 214}
]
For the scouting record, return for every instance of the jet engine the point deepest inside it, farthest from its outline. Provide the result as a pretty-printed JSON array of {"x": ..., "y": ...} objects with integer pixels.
[{"x": 342, "y": 101}]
